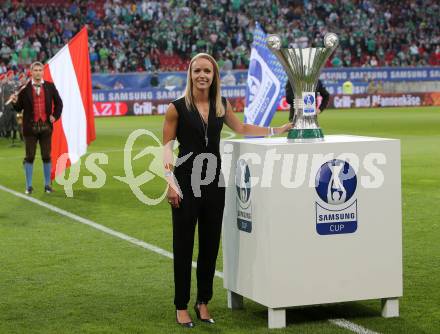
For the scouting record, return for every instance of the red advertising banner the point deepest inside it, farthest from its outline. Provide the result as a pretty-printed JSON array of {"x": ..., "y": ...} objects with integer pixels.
[
  {"x": 146, "y": 107},
  {"x": 110, "y": 109}
]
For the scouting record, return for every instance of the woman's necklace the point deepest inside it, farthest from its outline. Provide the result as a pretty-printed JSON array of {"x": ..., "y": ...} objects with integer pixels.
[{"x": 205, "y": 126}]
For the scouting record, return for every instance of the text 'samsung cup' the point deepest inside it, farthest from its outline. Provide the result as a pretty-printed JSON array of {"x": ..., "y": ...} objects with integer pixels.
[{"x": 303, "y": 66}]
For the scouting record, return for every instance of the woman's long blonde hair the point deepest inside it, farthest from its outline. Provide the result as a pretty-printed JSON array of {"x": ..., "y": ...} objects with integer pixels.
[{"x": 214, "y": 89}]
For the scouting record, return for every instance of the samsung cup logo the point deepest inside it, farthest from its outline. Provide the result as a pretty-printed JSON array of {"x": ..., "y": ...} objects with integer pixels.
[
  {"x": 336, "y": 212},
  {"x": 309, "y": 100},
  {"x": 243, "y": 190},
  {"x": 336, "y": 182},
  {"x": 243, "y": 183}
]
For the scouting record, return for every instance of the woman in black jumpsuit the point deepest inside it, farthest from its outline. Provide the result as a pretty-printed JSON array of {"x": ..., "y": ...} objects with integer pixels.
[{"x": 196, "y": 120}]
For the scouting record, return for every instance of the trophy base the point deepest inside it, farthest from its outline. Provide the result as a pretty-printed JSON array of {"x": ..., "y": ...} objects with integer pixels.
[{"x": 299, "y": 134}]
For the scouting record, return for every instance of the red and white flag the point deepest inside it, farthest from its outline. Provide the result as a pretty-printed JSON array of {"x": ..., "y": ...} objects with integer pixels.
[{"x": 70, "y": 71}]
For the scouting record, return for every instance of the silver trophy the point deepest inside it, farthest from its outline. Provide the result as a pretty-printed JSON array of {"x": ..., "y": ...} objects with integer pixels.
[{"x": 303, "y": 66}]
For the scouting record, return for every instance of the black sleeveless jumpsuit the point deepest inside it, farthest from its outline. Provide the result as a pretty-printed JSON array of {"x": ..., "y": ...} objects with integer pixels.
[{"x": 206, "y": 209}]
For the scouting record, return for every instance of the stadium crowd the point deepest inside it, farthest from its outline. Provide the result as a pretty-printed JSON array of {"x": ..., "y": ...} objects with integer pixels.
[{"x": 129, "y": 36}]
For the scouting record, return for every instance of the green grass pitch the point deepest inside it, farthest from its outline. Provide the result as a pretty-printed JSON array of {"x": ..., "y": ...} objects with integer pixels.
[{"x": 60, "y": 276}]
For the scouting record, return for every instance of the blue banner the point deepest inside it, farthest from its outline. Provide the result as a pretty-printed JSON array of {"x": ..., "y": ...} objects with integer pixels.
[
  {"x": 138, "y": 80},
  {"x": 265, "y": 82},
  {"x": 166, "y": 80},
  {"x": 330, "y": 76},
  {"x": 114, "y": 95},
  {"x": 152, "y": 94},
  {"x": 385, "y": 74}
]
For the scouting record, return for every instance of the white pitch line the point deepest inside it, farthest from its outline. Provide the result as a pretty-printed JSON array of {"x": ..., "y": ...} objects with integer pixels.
[
  {"x": 351, "y": 326},
  {"x": 343, "y": 323},
  {"x": 97, "y": 226}
]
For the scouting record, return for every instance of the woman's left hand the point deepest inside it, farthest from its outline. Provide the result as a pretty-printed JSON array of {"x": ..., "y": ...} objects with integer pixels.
[{"x": 286, "y": 127}]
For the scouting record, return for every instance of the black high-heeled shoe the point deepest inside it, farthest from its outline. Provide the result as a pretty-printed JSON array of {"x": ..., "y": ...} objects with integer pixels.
[
  {"x": 184, "y": 324},
  {"x": 196, "y": 308}
]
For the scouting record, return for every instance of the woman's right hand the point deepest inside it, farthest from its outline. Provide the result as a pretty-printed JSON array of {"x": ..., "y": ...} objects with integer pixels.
[{"x": 173, "y": 197}]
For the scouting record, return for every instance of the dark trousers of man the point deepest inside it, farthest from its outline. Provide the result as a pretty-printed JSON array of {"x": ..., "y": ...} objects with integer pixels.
[
  {"x": 44, "y": 138},
  {"x": 42, "y": 133},
  {"x": 207, "y": 211}
]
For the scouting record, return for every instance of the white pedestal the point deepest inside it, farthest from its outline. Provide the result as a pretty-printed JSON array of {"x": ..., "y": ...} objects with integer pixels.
[
  {"x": 284, "y": 245},
  {"x": 235, "y": 301},
  {"x": 390, "y": 307},
  {"x": 276, "y": 318}
]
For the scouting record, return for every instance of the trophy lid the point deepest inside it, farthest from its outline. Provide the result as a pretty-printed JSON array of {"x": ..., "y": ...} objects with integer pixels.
[{"x": 331, "y": 40}]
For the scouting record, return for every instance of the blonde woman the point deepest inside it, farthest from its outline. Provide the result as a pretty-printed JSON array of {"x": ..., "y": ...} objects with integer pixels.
[{"x": 196, "y": 121}]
